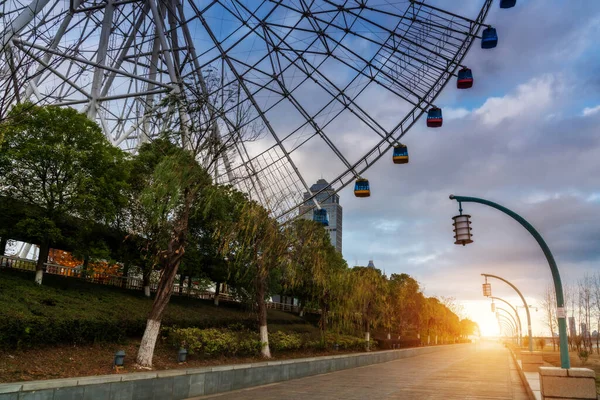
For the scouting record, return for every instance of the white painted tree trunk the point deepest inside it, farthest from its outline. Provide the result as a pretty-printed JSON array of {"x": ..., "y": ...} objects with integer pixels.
[
  {"x": 39, "y": 274},
  {"x": 436, "y": 339},
  {"x": 389, "y": 336},
  {"x": 265, "y": 351},
  {"x": 367, "y": 340},
  {"x": 301, "y": 313},
  {"x": 217, "y": 300},
  {"x": 147, "y": 291},
  {"x": 428, "y": 340},
  {"x": 146, "y": 351}
]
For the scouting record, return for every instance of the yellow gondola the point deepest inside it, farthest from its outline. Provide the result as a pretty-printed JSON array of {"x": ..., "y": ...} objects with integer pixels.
[
  {"x": 361, "y": 188},
  {"x": 400, "y": 155}
]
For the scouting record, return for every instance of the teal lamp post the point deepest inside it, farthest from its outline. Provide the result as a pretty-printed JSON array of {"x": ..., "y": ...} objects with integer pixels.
[{"x": 462, "y": 234}]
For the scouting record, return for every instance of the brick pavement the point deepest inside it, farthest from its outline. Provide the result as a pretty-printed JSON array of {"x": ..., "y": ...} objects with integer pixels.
[{"x": 480, "y": 371}]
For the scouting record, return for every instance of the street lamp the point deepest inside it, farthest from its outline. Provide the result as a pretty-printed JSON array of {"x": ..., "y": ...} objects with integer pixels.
[
  {"x": 516, "y": 313},
  {"x": 560, "y": 301},
  {"x": 487, "y": 289},
  {"x": 524, "y": 302},
  {"x": 462, "y": 229},
  {"x": 507, "y": 322},
  {"x": 498, "y": 309}
]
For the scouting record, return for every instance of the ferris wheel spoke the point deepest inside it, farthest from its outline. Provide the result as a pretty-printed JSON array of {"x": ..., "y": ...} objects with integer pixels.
[
  {"x": 397, "y": 49},
  {"x": 224, "y": 69},
  {"x": 247, "y": 93}
]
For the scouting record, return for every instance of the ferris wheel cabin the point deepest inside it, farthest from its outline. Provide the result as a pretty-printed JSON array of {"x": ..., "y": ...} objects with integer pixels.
[
  {"x": 465, "y": 79},
  {"x": 361, "y": 188},
  {"x": 507, "y": 3},
  {"x": 400, "y": 155},
  {"x": 489, "y": 38},
  {"x": 434, "y": 117},
  {"x": 321, "y": 216}
]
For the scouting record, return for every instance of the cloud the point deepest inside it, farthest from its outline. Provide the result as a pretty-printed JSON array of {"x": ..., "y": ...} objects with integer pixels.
[
  {"x": 590, "y": 111},
  {"x": 529, "y": 99},
  {"x": 455, "y": 113}
]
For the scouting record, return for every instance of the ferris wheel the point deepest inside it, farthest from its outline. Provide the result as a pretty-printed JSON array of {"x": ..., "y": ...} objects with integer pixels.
[{"x": 263, "y": 82}]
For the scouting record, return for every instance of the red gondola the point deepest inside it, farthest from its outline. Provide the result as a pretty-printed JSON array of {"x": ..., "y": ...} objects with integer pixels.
[
  {"x": 465, "y": 79},
  {"x": 434, "y": 117}
]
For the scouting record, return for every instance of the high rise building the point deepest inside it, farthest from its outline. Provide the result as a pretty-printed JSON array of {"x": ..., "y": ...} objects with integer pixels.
[{"x": 330, "y": 202}]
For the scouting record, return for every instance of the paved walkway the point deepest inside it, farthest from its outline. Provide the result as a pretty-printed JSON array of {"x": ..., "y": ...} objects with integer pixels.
[{"x": 479, "y": 371}]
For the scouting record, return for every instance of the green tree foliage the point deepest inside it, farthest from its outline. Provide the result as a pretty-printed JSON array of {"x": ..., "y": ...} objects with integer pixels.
[
  {"x": 203, "y": 256},
  {"x": 171, "y": 190},
  {"x": 369, "y": 295},
  {"x": 314, "y": 271},
  {"x": 59, "y": 160},
  {"x": 258, "y": 250}
]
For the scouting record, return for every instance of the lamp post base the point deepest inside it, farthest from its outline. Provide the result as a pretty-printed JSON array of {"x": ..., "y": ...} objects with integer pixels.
[{"x": 573, "y": 383}]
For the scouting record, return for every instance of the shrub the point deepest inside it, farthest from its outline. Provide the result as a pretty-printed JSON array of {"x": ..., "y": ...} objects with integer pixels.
[
  {"x": 346, "y": 342},
  {"x": 212, "y": 342},
  {"x": 281, "y": 341},
  {"x": 583, "y": 356},
  {"x": 540, "y": 343}
]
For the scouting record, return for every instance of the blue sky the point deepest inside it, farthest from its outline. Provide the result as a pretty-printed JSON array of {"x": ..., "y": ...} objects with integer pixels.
[{"x": 526, "y": 135}]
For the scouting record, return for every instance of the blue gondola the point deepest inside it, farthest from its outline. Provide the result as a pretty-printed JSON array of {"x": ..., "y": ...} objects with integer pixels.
[
  {"x": 400, "y": 155},
  {"x": 321, "y": 217},
  {"x": 361, "y": 188},
  {"x": 434, "y": 117},
  {"x": 465, "y": 79},
  {"x": 489, "y": 38},
  {"x": 507, "y": 3}
]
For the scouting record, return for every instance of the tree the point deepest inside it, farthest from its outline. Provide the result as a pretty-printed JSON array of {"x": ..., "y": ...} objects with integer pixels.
[
  {"x": 313, "y": 268},
  {"x": 596, "y": 296},
  {"x": 468, "y": 327},
  {"x": 585, "y": 309},
  {"x": 368, "y": 295},
  {"x": 224, "y": 204},
  {"x": 258, "y": 249},
  {"x": 172, "y": 192},
  {"x": 405, "y": 298},
  {"x": 59, "y": 160},
  {"x": 548, "y": 305}
]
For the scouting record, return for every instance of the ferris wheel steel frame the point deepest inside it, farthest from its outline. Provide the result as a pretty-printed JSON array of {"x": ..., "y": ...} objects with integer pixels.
[
  {"x": 412, "y": 64},
  {"x": 377, "y": 151}
]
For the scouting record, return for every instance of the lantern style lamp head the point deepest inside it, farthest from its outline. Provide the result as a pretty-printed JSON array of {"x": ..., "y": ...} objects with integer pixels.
[
  {"x": 487, "y": 289},
  {"x": 462, "y": 229}
]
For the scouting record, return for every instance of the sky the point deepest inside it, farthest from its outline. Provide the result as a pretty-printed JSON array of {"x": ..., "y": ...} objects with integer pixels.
[{"x": 525, "y": 136}]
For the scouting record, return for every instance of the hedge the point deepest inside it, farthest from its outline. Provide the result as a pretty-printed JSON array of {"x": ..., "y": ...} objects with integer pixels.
[{"x": 227, "y": 342}]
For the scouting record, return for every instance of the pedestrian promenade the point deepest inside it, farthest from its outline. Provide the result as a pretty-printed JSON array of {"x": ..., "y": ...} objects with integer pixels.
[{"x": 479, "y": 371}]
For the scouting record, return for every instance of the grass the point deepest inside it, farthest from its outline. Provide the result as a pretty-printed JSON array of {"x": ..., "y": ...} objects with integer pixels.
[
  {"x": 68, "y": 310},
  {"x": 66, "y": 304}
]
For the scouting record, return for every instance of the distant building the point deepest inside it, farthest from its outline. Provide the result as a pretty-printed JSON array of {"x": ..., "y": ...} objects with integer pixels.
[
  {"x": 584, "y": 331},
  {"x": 572, "y": 328},
  {"x": 330, "y": 202},
  {"x": 371, "y": 264}
]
